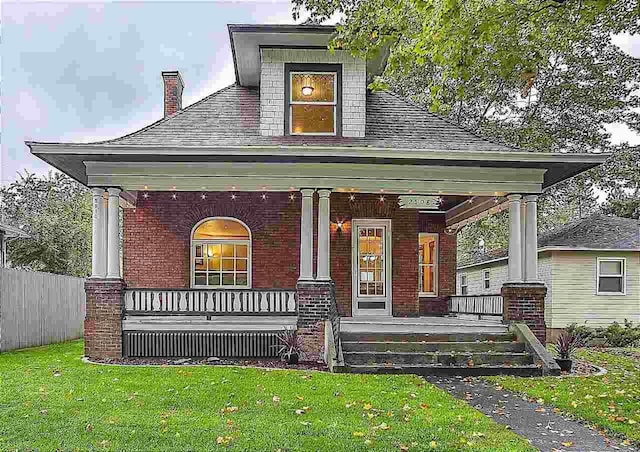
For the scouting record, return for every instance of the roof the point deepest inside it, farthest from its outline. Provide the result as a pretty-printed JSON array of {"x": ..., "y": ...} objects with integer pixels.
[
  {"x": 231, "y": 117},
  {"x": 596, "y": 232}
]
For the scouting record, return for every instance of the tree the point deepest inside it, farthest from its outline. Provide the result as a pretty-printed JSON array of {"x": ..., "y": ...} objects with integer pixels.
[
  {"x": 543, "y": 75},
  {"x": 56, "y": 213}
]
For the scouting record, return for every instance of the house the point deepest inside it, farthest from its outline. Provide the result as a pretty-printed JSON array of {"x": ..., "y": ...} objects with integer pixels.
[
  {"x": 296, "y": 197},
  {"x": 591, "y": 269},
  {"x": 7, "y": 234}
]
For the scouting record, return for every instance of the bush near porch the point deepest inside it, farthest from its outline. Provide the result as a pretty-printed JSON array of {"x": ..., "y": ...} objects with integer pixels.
[
  {"x": 50, "y": 400},
  {"x": 610, "y": 402}
]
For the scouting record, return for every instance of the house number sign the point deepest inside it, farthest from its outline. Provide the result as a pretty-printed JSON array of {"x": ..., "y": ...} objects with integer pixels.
[{"x": 419, "y": 202}]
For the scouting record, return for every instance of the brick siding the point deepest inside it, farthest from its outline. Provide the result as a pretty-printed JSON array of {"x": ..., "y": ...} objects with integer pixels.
[
  {"x": 172, "y": 93},
  {"x": 524, "y": 302},
  {"x": 103, "y": 319},
  {"x": 272, "y": 86}
]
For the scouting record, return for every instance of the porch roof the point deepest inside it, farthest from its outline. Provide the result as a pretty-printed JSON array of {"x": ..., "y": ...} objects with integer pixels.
[{"x": 224, "y": 126}]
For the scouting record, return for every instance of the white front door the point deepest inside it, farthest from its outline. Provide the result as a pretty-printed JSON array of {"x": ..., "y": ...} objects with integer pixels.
[{"x": 371, "y": 272}]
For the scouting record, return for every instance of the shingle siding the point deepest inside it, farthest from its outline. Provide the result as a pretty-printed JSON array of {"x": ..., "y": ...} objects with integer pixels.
[{"x": 272, "y": 87}]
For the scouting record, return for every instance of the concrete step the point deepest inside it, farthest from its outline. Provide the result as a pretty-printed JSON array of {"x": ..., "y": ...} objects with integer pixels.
[
  {"x": 427, "y": 337},
  {"x": 476, "y": 346},
  {"x": 521, "y": 371},
  {"x": 432, "y": 328},
  {"x": 405, "y": 359}
]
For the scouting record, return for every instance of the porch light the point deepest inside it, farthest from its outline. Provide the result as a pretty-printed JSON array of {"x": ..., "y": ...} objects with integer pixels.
[
  {"x": 307, "y": 90},
  {"x": 174, "y": 196},
  {"x": 339, "y": 225},
  {"x": 264, "y": 196},
  {"x": 233, "y": 196},
  {"x": 145, "y": 195},
  {"x": 292, "y": 197},
  {"x": 352, "y": 197},
  {"x": 203, "y": 196}
]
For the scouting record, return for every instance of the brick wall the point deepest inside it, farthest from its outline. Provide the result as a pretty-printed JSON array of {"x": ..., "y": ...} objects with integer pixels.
[
  {"x": 157, "y": 236},
  {"x": 173, "y": 87},
  {"x": 524, "y": 302},
  {"x": 103, "y": 319},
  {"x": 354, "y": 86}
]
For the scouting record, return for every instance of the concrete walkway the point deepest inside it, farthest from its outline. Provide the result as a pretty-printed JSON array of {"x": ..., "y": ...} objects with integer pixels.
[{"x": 544, "y": 428}]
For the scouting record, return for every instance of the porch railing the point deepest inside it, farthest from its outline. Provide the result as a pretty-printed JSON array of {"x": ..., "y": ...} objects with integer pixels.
[
  {"x": 210, "y": 302},
  {"x": 476, "y": 304}
]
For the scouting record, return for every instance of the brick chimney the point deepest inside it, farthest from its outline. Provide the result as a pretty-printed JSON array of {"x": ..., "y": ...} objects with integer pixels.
[{"x": 173, "y": 86}]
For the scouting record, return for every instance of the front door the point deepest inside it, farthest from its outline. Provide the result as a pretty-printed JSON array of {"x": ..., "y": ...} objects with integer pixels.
[{"x": 371, "y": 287}]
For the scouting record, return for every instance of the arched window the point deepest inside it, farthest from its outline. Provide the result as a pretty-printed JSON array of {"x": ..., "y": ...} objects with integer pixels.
[{"x": 221, "y": 254}]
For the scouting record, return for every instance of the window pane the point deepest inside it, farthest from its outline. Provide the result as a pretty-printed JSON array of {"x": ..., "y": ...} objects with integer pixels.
[
  {"x": 227, "y": 279},
  {"x": 227, "y": 250},
  {"x": 613, "y": 285},
  {"x": 219, "y": 228},
  {"x": 199, "y": 250},
  {"x": 363, "y": 288},
  {"x": 241, "y": 265},
  {"x": 379, "y": 289},
  {"x": 227, "y": 264},
  {"x": 201, "y": 279},
  {"x": 322, "y": 87},
  {"x": 611, "y": 268},
  {"x": 214, "y": 279},
  {"x": 241, "y": 250},
  {"x": 312, "y": 119},
  {"x": 241, "y": 279},
  {"x": 428, "y": 283}
]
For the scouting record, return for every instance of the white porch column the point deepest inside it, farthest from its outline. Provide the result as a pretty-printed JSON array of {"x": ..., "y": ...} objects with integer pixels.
[
  {"x": 523, "y": 228},
  {"x": 324, "y": 272},
  {"x": 306, "y": 235},
  {"x": 98, "y": 258},
  {"x": 531, "y": 238},
  {"x": 113, "y": 234},
  {"x": 515, "y": 240}
]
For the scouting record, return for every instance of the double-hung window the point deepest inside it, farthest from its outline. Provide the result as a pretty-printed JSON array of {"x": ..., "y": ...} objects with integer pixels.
[
  {"x": 486, "y": 279},
  {"x": 611, "y": 275},
  {"x": 428, "y": 263},
  {"x": 464, "y": 288},
  {"x": 313, "y": 94}
]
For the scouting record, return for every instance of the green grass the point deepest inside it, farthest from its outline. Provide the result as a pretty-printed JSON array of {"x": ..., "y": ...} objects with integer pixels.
[
  {"x": 611, "y": 401},
  {"x": 51, "y": 400}
]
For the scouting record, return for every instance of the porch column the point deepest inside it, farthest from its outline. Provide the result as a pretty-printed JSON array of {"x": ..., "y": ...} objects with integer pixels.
[
  {"x": 113, "y": 232},
  {"x": 306, "y": 235},
  {"x": 531, "y": 239},
  {"x": 515, "y": 240},
  {"x": 523, "y": 233},
  {"x": 98, "y": 258},
  {"x": 323, "y": 272}
]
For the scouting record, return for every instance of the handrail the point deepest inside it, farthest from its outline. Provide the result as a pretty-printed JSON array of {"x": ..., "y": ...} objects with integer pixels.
[
  {"x": 210, "y": 302},
  {"x": 476, "y": 304}
]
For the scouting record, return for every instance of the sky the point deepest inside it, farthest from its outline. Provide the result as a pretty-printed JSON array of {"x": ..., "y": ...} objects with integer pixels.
[{"x": 87, "y": 71}]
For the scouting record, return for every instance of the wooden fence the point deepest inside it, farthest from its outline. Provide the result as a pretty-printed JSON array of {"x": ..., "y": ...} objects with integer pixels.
[{"x": 39, "y": 308}]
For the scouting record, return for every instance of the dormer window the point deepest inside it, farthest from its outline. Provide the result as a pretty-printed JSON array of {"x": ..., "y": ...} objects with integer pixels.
[{"x": 313, "y": 93}]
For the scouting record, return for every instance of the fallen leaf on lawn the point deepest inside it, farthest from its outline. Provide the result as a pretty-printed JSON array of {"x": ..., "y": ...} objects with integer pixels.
[
  {"x": 276, "y": 399},
  {"x": 540, "y": 401},
  {"x": 413, "y": 395},
  {"x": 358, "y": 434},
  {"x": 404, "y": 448},
  {"x": 567, "y": 443},
  {"x": 540, "y": 410},
  {"x": 349, "y": 405},
  {"x": 367, "y": 442},
  {"x": 300, "y": 412},
  {"x": 299, "y": 397},
  {"x": 57, "y": 373},
  {"x": 406, "y": 407},
  {"x": 229, "y": 422},
  {"x": 433, "y": 444},
  {"x": 259, "y": 402},
  {"x": 230, "y": 409},
  {"x": 305, "y": 423},
  {"x": 222, "y": 440},
  {"x": 44, "y": 412},
  {"x": 424, "y": 406},
  {"x": 631, "y": 421},
  {"x": 88, "y": 428}
]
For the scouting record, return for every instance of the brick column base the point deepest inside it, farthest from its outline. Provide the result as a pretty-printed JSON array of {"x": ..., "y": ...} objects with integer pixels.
[
  {"x": 316, "y": 303},
  {"x": 524, "y": 302},
  {"x": 103, "y": 321}
]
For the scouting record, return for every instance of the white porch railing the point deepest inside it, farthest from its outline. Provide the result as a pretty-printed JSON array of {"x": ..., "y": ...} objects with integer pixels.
[
  {"x": 476, "y": 304},
  {"x": 210, "y": 302}
]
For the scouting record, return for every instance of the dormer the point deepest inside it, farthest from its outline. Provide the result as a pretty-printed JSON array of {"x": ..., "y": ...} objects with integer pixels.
[{"x": 305, "y": 89}]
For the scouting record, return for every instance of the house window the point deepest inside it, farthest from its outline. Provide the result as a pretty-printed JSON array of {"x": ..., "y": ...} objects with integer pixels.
[
  {"x": 313, "y": 93},
  {"x": 221, "y": 254},
  {"x": 611, "y": 276},
  {"x": 464, "y": 289},
  {"x": 428, "y": 263},
  {"x": 486, "y": 279}
]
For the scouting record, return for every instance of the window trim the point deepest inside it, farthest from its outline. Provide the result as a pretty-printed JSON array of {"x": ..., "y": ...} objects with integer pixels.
[
  {"x": 292, "y": 68},
  {"x": 623, "y": 275},
  {"x": 194, "y": 242},
  {"x": 465, "y": 285},
  {"x": 435, "y": 265},
  {"x": 486, "y": 277}
]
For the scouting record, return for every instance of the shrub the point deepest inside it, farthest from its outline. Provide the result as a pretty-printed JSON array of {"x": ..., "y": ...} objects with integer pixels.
[
  {"x": 617, "y": 335},
  {"x": 567, "y": 343},
  {"x": 587, "y": 334}
]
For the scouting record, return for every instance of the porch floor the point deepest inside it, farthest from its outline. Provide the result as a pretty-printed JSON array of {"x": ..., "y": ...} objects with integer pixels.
[{"x": 420, "y": 325}]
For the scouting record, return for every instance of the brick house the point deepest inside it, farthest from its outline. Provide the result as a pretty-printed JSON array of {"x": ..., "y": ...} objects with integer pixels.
[{"x": 294, "y": 197}]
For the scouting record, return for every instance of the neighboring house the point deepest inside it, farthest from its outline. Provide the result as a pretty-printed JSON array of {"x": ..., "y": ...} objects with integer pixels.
[
  {"x": 591, "y": 269},
  {"x": 293, "y": 197},
  {"x": 7, "y": 234}
]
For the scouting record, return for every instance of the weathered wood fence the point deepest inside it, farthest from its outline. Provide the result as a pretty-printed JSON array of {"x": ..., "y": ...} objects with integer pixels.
[{"x": 39, "y": 308}]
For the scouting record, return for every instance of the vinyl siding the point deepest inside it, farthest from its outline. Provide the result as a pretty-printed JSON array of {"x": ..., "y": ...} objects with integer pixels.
[{"x": 574, "y": 290}]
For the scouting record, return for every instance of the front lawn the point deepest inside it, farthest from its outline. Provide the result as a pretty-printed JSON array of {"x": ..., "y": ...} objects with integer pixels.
[
  {"x": 611, "y": 401},
  {"x": 51, "y": 400}
]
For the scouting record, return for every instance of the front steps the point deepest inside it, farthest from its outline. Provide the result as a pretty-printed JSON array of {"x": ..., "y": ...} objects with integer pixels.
[{"x": 435, "y": 347}]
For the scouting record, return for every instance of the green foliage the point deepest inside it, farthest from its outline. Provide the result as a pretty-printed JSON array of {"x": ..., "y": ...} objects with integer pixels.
[
  {"x": 542, "y": 75},
  {"x": 618, "y": 335},
  {"x": 51, "y": 400},
  {"x": 56, "y": 213},
  {"x": 567, "y": 344},
  {"x": 586, "y": 333}
]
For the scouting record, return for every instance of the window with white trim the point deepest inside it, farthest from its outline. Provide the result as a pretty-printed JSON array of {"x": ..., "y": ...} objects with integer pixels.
[
  {"x": 611, "y": 275},
  {"x": 221, "y": 254},
  {"x": 464, "y": 288},
  {"x": 486, "y": 279},
  {"x": 428, "y": 264}
]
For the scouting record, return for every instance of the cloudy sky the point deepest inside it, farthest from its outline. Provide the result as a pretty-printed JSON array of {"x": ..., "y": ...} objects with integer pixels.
[{"x": 90, "y": 71}]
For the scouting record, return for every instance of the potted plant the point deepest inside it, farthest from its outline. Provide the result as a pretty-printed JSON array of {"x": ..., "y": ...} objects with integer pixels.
[
  {"x": 565, "y": 347},
  {"x": 290, "y": 346}
]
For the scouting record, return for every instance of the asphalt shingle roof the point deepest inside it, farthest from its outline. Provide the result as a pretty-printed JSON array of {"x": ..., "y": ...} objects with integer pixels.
[
  {"x": 597, "y": 231},
  {"x": 231, "y": 117}
]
